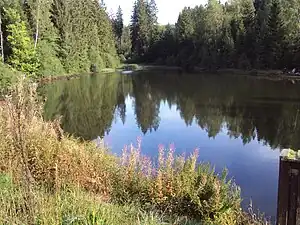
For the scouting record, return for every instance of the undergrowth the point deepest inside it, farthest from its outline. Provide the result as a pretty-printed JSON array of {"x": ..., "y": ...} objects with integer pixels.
[{"x": 47, "y": 177}]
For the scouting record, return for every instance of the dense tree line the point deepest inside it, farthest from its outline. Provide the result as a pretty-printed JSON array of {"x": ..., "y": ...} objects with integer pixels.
[
  {"x": 49, "y": 37},
  {"x": 261, "y": 34},
  {"x": 143, "y": 27}
]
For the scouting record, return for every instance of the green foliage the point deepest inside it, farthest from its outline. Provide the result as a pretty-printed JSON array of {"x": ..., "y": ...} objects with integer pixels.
[
  {"x": 118, "y": 28},
  {"x": 7, "y": 77},
  {"x": 274, "y": 42},
  {"x": 240, "y": 34},
  {"x": 50, "y": 64},
  {"x": 143, "y": 27},
  {"x": 110, "y": 61},
  {"x": 92, "y": 35},
  {"x": 23, "y": 57},
  {"x": 185, "y": 26},
  {"x": 125, "y": 43},
  {"x": 68, "y": 206},
  {"x": 41, "y": 40},
  {"x": 178, "y": 185}
]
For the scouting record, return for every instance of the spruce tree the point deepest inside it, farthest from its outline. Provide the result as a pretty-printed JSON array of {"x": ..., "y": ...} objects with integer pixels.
[
  {"x": 118, "y": 26},
  {"x": 152, "y": 22},
  {"x": 140, "y": 28},
  {"x": 185, "y": 25},
  {"x": 248, "y": 16},
  {"x": 134, "y": 30},
  {"x": 275, "y": 36}
]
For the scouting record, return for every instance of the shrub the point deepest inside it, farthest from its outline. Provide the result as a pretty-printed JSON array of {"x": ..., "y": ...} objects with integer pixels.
[
  {"x": 177, "y": 185},
  {"x": 7, "y": 77}
]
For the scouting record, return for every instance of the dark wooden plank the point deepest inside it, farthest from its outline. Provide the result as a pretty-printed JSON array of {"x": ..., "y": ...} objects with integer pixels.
[
  {"x": 298, "y": 202},
  {"x": 293, "y": 195},
  {"x": 283, "y": 193}
]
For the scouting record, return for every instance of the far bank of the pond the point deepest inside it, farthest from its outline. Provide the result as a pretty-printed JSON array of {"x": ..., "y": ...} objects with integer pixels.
[
  {"x": 261, "y": 74},
  {"x": 275, "y": 75}
]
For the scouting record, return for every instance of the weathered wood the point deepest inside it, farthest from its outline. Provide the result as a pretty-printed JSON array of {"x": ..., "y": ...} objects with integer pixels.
[
  {"x": 293, "y": 192},
  {"x": 283, "y": 187},
  {"x": 298, "y": 204},
  {"x": 288, "y": 206}
]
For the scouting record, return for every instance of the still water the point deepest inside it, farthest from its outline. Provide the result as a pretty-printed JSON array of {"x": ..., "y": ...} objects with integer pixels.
[{"x": 237, "y": 122}]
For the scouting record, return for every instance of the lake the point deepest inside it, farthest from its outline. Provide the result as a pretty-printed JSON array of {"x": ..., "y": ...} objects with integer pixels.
[{"x": 236, "y": 122}]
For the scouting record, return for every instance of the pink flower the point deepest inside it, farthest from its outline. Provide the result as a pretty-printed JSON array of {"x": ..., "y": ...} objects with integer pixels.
[{"x": 161, "y": 153}]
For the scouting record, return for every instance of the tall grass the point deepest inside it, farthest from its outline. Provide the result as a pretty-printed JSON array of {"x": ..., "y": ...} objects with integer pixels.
[{"x": 47, "y": 177}]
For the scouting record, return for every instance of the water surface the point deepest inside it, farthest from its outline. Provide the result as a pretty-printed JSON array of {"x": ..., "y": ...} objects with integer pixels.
[{"x": 236, "y": 122}]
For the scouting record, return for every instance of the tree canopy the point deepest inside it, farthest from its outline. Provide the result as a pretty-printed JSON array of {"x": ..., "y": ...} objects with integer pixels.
[
  {"x": 42, "y": 37},
  {"x": 244, "y": 34}
]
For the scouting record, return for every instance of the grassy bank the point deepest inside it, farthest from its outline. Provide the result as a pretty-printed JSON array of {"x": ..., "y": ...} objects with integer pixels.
[{"x": 48, "y": 177}]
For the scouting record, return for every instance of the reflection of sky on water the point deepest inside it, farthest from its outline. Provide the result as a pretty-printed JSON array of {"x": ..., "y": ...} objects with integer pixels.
[{"x": 254, "y": 166}]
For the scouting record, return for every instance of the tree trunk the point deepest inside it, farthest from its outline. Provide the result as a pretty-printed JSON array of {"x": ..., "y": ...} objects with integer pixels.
[
  {"x": 1, "y": 39},
  {"x": 37, "y": 23}
]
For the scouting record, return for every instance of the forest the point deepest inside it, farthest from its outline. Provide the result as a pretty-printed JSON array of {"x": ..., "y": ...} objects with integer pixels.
[
  {"x": 243, "y": 34},
  {"x": 56, "y": 37},
  {"x": 41, "y": 37}
]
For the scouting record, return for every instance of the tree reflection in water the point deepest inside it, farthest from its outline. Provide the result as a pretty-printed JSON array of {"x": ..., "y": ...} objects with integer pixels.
[{"x": 247, "y": 107}]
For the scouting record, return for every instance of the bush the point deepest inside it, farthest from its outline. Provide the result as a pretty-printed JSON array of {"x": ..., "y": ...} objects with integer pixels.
[
  {"x": 177, "y": 185},
  {"x": 7, "y": 77}
]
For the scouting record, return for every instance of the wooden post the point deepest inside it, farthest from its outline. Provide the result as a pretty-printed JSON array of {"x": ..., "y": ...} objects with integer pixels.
[{"x": 288, "y": 206}]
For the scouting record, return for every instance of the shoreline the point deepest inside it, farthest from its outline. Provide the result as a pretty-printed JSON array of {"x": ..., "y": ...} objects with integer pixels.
[
  {"x": 49, "y": 79},
  {"x": 273, "y": 75}
]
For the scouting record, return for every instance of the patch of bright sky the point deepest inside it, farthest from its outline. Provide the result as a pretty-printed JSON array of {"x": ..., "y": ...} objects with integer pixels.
[{"x": 168, "y": 10}]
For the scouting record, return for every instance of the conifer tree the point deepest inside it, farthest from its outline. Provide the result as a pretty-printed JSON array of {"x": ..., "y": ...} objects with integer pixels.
[
  {"x": 118, "y": 26},
  {"x": 275, "y": 36}
]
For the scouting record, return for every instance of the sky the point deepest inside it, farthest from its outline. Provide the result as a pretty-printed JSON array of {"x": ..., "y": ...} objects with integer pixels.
[{"x": 168, "y": 9}]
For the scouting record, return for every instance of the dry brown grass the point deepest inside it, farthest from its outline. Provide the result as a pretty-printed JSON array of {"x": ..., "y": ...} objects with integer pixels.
[{"x": 30, "y": 148}]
